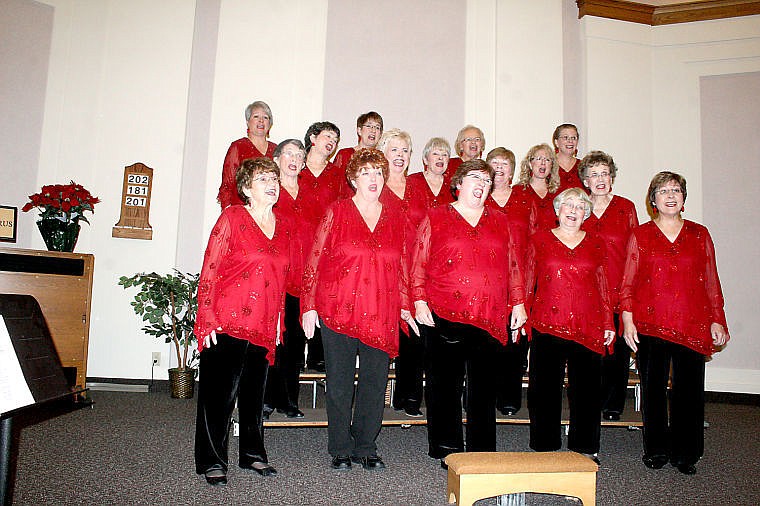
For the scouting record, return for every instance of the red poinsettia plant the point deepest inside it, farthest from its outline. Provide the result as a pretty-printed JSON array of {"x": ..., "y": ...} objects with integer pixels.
[{"x": 65, "y": 202}]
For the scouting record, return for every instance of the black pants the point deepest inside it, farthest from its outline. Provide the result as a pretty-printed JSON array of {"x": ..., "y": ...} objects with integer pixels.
[
  {"x": 315, "y": 358},
  {"x": 682, "y": 436},
  {"x": 513, "y": 364},
  {"x": 352, "y": 432},
  {"x": 283, "y": 382},
  {"x": 409, "y": 368},
  {"x": 455, "y": 354},
  {"x": 615, "y": 371},
  {"x": 231, "y": 369},
  {"x": 548, "y": 356}
]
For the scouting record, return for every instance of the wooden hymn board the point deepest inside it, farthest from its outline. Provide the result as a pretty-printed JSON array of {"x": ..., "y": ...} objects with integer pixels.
[{"x": 135, "y": 203}]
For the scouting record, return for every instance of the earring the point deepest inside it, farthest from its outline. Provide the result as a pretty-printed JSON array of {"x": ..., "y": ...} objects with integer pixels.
[
  {"x": 654, "y": 209},
  {"x": 683, "y": 208},
  {"x": 556, "y": 149},
  {"x": 575, "y": 152}
]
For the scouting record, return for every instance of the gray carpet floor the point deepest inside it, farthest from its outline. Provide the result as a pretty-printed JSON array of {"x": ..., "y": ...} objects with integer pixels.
[{"x": 136, "y": 448}]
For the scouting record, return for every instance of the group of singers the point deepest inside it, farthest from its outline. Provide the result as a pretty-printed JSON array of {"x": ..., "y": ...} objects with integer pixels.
[{"x": 450, "y": 271}]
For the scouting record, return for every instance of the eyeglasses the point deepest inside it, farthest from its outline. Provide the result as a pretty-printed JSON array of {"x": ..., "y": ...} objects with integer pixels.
[
  {"x": 480, "y": 178},
  {"x": 372, "y": 127},
  {"x": 472, "y": 139},
  {"x": 298, "y": 155},
  {"x": 266, "y": 179},
  {"x": 568, "y": 138},
  {"x": 580, "y": 206},
  {"x": 665, "y": 191},
  {"x": 598, "y": 175},
  {"x": 540, "y": 159}
]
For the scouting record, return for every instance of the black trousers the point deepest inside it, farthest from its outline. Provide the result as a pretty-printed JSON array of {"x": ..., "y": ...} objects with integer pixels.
[
  {"x": 316, "y": 353},
  {"x": 353, "y": 422},
  {"x": 409, "y": 369},
  {"x": 548, "y": 356},
  {"x": 457, "y": 354},
  {"x": 680, "y": 436},
  {"x": 513, "y": 364},
  {"x": 231, "y": 369},
  {"x": 283, "y": 384},
  {"x": 615, "y": 370}
]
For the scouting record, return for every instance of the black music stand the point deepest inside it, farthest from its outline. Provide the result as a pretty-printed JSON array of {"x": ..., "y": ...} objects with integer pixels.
[{"x": 40, "y": 365}]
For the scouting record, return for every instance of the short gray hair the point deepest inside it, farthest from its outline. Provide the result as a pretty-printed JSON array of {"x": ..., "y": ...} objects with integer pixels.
[
  {"x": 259, "y": 104},
  {"x": 574, "y": 193}
]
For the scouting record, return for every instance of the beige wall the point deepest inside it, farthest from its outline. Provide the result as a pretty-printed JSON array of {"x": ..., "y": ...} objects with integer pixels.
[{"x": 126, "y": 84}]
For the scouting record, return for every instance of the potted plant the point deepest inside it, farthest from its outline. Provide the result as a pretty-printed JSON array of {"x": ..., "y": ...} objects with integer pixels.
[
  {"x": 168, "y": 304},
  {"x": 62, "y": 207}
]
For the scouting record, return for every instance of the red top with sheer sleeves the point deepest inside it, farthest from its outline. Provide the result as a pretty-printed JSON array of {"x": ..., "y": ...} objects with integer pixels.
[
  {"x": 356, "y": 279},
  {"x": 468, "y": 274},
  {"x": 242, "y": 282},
  {"x": 342, "y": 158},
  {"x": 421, "y": 190},
  {"x": 240, "y": 150},
  {"x": 614, "y": 227},
  {"x": 540, "y": 211},
  {"x": 673, "y": 289},
  {"x": 570, "y": 179},
  {"x": 568, "y": 289},
  {"x": 302, "y": 236},
  {"x": 454, "y": 164},
  {"x": 519, "y": 221},
  {"x": 320, "y": 192}
]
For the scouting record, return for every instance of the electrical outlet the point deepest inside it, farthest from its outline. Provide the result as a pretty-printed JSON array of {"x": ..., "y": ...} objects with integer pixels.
[{"x": 156, "y": 358}]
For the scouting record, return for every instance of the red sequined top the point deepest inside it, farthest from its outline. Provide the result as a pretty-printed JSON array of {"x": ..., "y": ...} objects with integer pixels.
[
  {"x": 302, "y": 236},
  {"x": 539, "y": 210},
  {"x": 242, "y": 282},
  {"x": 519, "y": 221},
  {"x": 421, "y": 190},
  {"x": 468, "y": 274},
  {"x": 320, "y": 192},
  {"x": 341, "y": 159},
  {"x": 614, "y": 227},
  {"x": 240, "y": 150},
  {"x": 673, "y": 289},
  {"x": 568, "y": 289},
  {"x": 570, "y": 179},
  {"x": 356, "y": 279}
]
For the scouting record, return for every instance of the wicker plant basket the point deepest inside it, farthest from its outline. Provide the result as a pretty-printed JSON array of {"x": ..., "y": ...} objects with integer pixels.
[{"x": 182, "y": 383}]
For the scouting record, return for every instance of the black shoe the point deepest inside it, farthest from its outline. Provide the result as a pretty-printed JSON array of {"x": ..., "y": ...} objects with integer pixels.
[
  {"x": 687, "y": 469},
  {"x": 267, "y": 411},
  {"x": 508, "y": 410},
  {"x": 216, "y": 476},
  {"x": 291, "y": 412},
  {"x": 594, "y": 457},
  {"x": 655, "y": 461},
  {"x": 341, "y": 463},
  {"x": 444, "y": 465},
  {"x": 412, "y": 411},
  {"x": 318, "y": 366},
  {"x": 369, "y": 463},
  {"x": 612, "y": 416},
  {"x": 263, "y": 468}
]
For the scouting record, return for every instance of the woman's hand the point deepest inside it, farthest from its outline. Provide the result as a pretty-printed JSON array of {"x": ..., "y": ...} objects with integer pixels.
[
  {"x": 519, "y": 317},
  {"x": 629, "y": 331},
  {"x": 210, "y": 339},
  {"x": 719, "y": 334},
  {"x": 422, "y": 313},
  {"x": 609, "y": 336},
  {"x": 406, "y": 315},
  {"x": 309, "y": 322}
]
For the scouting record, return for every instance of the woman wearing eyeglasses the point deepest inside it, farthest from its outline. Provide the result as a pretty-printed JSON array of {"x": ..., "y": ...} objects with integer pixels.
[
  {"x": 241, "y": 303},
  {"x": 536, "y": 187},
  {"x": 466, "y": 281},
  {"x": 258, "y": 118},
  {"x": 469, "y": 145},
  {"x": 571, "y": 318},
  {"x": 565, "y": 139},
  {"x": 672, "y": 313},
  {"x": 613, "y": 219},
  {"x": 369, "y": 128}
]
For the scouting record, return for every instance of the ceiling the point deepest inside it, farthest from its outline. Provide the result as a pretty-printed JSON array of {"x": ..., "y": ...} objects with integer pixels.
[{"x": 663, "y": 12}]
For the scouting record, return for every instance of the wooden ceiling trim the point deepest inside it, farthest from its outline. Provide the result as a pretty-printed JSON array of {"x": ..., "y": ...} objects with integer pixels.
[{"x": 685, "y": 12}]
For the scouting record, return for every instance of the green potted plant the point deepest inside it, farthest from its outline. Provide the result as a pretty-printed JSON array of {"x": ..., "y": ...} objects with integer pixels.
[{"x": 168, "y": 304}]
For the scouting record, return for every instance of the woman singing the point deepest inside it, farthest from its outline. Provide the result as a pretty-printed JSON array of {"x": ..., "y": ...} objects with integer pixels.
[
  {"x": 258, "y": 117},
  {"x": 613, "y": 219},
  {"x": 466, "y": 280},
  {"x": 565, "y": 139},
  {"x": 241, "y": 302},
  {"x": 354, "y": 288},
  {"x": 536, "y": 187},
  {"x": 672, "y": 312},
  {"x": 369, "y": 128},
  {"x": 572, "y": 322}
]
